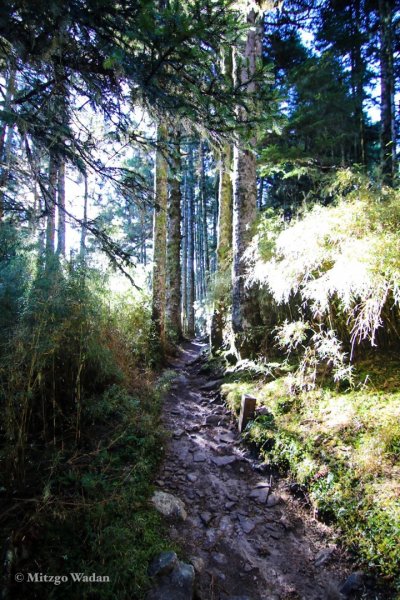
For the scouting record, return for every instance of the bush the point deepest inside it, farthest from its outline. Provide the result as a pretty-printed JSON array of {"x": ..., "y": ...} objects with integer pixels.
[{"x": 336, "y": 266}]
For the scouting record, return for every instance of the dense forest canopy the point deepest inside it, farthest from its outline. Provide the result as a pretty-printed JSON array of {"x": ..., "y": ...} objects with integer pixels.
[{"x": 216, "y": 168}]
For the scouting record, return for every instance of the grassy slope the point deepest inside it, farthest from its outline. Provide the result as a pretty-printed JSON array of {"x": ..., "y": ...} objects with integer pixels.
[{"x": 344, "y": 447}]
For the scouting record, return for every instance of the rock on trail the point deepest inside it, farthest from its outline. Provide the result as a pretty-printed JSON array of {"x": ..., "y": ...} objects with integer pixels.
[{"x": 244, "y": 539}]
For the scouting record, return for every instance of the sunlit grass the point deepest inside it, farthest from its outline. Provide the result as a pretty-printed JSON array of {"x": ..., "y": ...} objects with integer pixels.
[{"x": 344, "y": 447}]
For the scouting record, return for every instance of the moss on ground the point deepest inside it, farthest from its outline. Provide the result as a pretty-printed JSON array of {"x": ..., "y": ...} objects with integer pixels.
[{"x": 344, "y": 447}]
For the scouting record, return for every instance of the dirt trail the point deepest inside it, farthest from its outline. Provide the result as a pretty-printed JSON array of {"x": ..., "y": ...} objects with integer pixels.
[{"x": 245, "y": 540}]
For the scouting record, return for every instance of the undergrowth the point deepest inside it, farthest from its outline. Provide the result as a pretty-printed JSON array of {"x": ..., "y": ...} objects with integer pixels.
[
  {"x": 343, "y": 447},
  {"x": 329, "y": 299},
  {"x": 80, "y": 437}
]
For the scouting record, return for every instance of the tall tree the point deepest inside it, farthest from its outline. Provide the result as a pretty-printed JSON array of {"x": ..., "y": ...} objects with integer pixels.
[
  {"x": 160, "y": 236},
  {"x": 61, "y": 208},
  {"x": 82, "y": 245},
  {"x": 224, "y": 247},
  {"x": 5, "y": 136},
  {"x": 246, "y": 58},
  {"x": 173, "y": 297},
  {"x": 50, "y": 203},
  {"x": 190, "y": 243},
  {"x": 388, "y": 111}
]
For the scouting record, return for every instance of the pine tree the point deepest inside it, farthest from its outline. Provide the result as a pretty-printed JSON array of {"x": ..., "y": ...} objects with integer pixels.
[
  {"x": 244, "y": 187},
  {"x": 160, "y": 236},
  {"x": 173, "y": 282}
]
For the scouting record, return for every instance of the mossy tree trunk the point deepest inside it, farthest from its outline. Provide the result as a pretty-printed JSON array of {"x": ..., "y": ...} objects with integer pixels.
[
  {"x": 160, "y": 238},
  {"x": 224, "y": 246},
  {"x": 173, "y": 297},
  {"x": 388, "y": 124},
  {"x": 184, "y": 254},
  {"x": 190, "y": 245},
  {"x": 244, "y": 190},
  {"x": 203, "y": 224}
]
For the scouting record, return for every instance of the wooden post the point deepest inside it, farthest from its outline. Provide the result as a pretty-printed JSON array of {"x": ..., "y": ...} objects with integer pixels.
[{"x": 247, "y": 410}]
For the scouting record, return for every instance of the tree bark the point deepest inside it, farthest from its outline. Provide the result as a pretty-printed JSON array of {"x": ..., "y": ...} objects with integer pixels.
[
  {"x": 5, "y": 141},
  {"x": 82, "y": 249},
  {"x": 388, "y": 129},
  {"x": 173, "y": 309},
  {"x": 244, "y": 192},
  {"x": 61, "y": 209},
  {"x": 190, "y": 247},
  {"x": 184, "y": 255},
  {"x": 224, "y": 245},
  {"x": 202, "y": 189},
  {"x": 50, "y": 202},
  {"x": 160, "y": 238}
]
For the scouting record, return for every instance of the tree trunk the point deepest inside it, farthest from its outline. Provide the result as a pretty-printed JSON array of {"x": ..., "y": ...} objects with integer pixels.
[
  {"x": 190, "y": 247},
  {"x": 160, "y": 238},
  {"x": 244, "y": 193},
  {"x": 214, "y": 205},
  {"x": 184, "y": 255},
  {"x": 388, "y": 133},
  {"x": 357, "y": 81},
  {"x": 5, "y": 141},
  {"x": 173, "y": 309},
  {"x": 50, "y": 201},
  {"x": 202, "y": 189},
  {"x": 224, "y": 245},
  {"x": 61, "y": 209},
  {"x": 82, "y": 250}
]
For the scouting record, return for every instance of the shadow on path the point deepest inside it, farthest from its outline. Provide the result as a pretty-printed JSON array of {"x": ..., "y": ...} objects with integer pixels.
[{"x": 244, "y": 539}]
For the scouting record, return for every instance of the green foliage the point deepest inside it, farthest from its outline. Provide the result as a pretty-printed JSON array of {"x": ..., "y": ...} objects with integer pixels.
[
  {"x": 65, "y": 342},
  {"x": 80, "y": 422},
  {"x": 338, "y": 264},
  {"x": 99, "y": 507}
]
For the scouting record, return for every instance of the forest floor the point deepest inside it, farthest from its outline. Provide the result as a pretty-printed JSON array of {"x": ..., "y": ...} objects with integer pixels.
[{"x": 247, "y": 539}]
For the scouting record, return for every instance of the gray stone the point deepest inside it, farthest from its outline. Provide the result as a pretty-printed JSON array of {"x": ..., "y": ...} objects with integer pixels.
[
  {"x": 229, "y": 505},
  {"x": 246, "y": 524},
  {"x": 227, "y": 438},
  {"x": 324, "y": 556},
  {"x": 199, "y": 457},
  {"x": 198, "y": 564},
  {"x": 232, "y": 497},
  {"x": 222, "y": 461},
  {"x": 353, "y": 583},
  {"x": 178, "y": 433},
  {"x": 206, "y": 517},
  {"x": 192, "y": 477},
  {"x": 273, "y": 501},
  {"x": 163, "y": 564},
  {"x": 219, "y": 558},
  {"x": 263, "y": 484},
  {"x": 169, "y": 505},
  {"x": 260, "y": 494},
  {"x": 263, "y": 550},
  {"x": 176, "y": 585},
  {"x": 211, "y": 385},
  {"x": 193, "y": 428},
  {"x": 213, "y": 419}
]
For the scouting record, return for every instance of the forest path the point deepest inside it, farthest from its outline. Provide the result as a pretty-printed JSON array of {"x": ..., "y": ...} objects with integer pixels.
[{"x": 247, "y": 542}]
